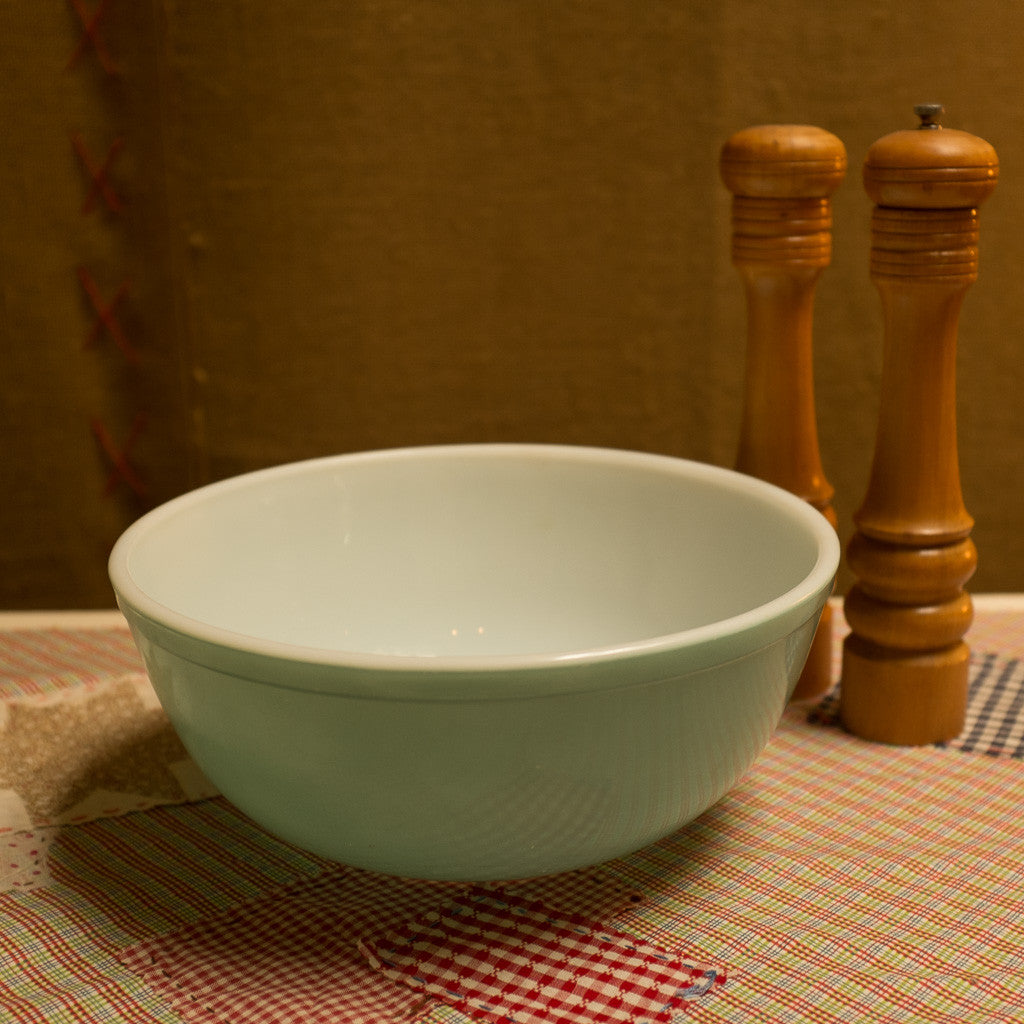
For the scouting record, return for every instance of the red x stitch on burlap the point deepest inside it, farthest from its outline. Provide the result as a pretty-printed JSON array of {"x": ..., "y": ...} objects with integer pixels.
[
  {"x": 91, "y": 35},
  {"x": 106, "y": 315},
  {"x": 122, "y": 469},
  {"x": 99, "y": 182}
]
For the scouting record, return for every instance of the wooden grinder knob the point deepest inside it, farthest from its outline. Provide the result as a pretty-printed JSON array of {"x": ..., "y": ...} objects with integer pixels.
[
  {"x": 905, "y": 665},
  {"x": 781, "y": 178}
]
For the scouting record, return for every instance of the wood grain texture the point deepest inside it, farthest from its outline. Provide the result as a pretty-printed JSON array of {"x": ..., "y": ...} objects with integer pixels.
[
  {"x": 782, "y": 178},
  {"x": 905, "y": 664}
]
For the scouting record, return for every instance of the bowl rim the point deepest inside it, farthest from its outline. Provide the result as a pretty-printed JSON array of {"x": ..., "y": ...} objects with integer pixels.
[{"x": 795, "y": 605}]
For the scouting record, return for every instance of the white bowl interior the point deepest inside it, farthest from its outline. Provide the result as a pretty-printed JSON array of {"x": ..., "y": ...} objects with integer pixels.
[{"x": 477, "y": 551}]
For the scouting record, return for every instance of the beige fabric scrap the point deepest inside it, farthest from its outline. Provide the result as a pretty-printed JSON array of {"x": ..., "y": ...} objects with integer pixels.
[{"x": 95, "y": 751}]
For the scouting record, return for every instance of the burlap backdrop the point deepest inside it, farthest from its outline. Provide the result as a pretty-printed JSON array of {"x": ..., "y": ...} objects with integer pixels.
[{"x": 236, "y": 234}]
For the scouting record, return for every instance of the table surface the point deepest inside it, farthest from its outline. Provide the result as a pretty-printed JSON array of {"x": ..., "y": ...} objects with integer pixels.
[{"x": 838, "y": 881}]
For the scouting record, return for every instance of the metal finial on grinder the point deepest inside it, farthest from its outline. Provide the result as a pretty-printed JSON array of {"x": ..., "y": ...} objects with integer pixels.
[{"x": 929, "y": 114}]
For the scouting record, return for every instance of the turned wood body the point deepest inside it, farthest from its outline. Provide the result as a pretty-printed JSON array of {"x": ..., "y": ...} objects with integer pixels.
[
  {"x": 905, "y": 664},
  {"x": 781, "y": 178}
]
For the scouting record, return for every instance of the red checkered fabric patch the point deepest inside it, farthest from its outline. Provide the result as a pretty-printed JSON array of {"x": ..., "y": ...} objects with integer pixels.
[
  {"x": 512, "y": 961},
  {"x": 290, "y": 958}
]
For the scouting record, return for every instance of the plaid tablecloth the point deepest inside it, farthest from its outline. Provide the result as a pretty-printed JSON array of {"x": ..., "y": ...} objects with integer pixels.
[{"x": 839, "y": 881}]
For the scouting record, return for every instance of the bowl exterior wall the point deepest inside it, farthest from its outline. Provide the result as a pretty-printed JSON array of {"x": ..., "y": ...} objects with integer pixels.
[{"x": 477, "y": 789}]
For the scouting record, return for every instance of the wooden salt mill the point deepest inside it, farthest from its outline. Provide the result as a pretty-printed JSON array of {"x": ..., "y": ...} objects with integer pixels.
[
  {"x": 781, "y": 178},
  {"x": 905, "y": 665}
]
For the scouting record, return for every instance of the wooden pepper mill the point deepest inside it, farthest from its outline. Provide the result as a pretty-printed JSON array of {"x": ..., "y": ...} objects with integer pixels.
[
  {"x": 905, "y": 665},
  {"x": 781, "y": 178}
]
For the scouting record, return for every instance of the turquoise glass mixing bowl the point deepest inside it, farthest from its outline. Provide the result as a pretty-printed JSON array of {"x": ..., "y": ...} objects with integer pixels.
[{"x": 481, "y": 661}]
